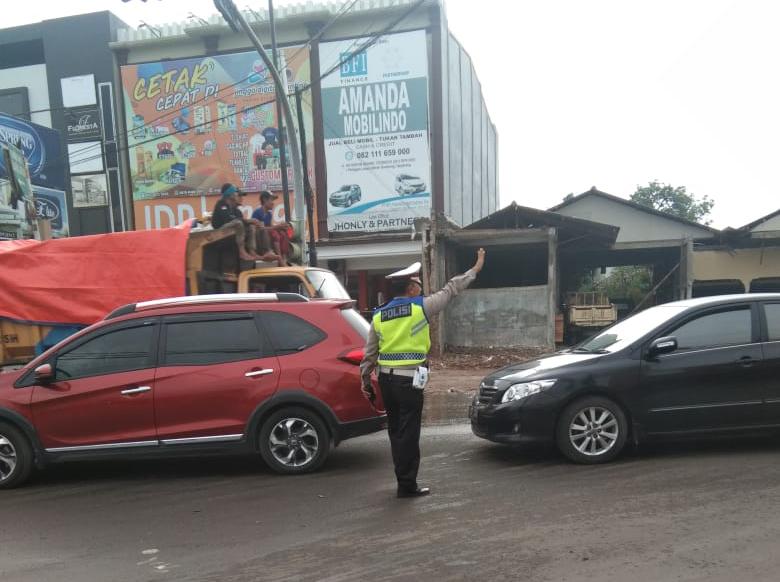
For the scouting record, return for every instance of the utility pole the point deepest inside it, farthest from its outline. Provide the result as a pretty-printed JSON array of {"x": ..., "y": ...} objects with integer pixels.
[
  {"x": 306, "y": 184},
  {"x": 237, "y": 22},
  {"x": 279, "y": 122}
]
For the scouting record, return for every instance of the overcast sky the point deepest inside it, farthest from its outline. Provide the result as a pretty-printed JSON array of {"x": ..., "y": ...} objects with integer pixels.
[{"x": 611, "y": 93}]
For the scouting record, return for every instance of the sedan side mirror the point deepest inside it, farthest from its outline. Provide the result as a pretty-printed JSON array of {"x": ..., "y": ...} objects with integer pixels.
[
  {"x": 663, "y": 345},
  {"x": 44, "y": 374}
]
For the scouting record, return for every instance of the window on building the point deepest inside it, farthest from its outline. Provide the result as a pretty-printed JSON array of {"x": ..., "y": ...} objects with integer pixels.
[
  {"x": 15, "y": 102},
  {"x": 713, "y": 287},
  {"x": 765, "y": 285}
]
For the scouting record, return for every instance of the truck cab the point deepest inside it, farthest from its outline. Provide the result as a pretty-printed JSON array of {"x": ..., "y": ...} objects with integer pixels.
[{"x": 310, "y": 282}]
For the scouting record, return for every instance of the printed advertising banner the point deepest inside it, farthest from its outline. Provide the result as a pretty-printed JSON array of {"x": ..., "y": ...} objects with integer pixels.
[
  {"x": 17, "y": 208},
  {"x": 50, "y": 204},
  {"x": 197, "y": 123},
  {"x": 41, "y": 148},
  {"x": 375, "y": 122}
]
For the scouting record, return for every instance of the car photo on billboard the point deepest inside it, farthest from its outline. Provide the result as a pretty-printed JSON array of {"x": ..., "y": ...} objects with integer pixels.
[
  {"x": 406, "y": 184},
  {"x": 346, "y": 196}
]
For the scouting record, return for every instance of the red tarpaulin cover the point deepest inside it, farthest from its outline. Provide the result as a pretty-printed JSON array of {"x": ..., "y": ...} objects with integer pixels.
[{"x": 79, "y": 280}]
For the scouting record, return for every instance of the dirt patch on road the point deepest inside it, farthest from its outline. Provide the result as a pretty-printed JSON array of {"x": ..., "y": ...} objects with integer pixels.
[
  {"x": 455, "y": 379},
  {"x": 462, "y": 369},
  {"x": 495, "y": 358}
]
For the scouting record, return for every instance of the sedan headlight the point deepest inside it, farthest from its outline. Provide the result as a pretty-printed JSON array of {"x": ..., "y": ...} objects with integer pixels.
[{"x": 526, "y": 389}]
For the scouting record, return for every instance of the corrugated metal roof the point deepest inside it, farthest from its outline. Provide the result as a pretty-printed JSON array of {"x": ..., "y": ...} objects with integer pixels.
[
  {"x": 286, "y": 11},
  {"x": 515, "y": 216}
]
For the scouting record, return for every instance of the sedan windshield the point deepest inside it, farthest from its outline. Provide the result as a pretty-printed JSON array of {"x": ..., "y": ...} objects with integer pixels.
[{"x": 626, "y": 332}]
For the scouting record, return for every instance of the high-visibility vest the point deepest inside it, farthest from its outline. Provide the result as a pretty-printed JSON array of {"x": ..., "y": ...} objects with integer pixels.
[{"x": 404, "y": 334}]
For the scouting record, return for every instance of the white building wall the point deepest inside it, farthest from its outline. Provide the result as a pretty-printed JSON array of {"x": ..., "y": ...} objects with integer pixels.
[
  {"x": 34, "y": 78},
  {"x": 635, "y": 225},
  {"x": 769, "y": 225}
]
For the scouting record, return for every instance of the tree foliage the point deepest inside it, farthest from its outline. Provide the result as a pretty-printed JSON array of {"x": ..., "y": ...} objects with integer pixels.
[
  {"x": 630, "y": 282},
  {"x": 675, "y": 201}
]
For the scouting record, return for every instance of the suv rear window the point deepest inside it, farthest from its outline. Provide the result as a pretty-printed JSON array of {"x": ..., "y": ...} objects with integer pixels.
[
  {"x": 357, "y": 322},
  {"x": 288, "y": 333}
]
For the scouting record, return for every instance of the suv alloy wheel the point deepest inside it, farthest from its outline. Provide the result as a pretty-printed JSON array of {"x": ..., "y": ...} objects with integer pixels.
[
  {"x": 294, "y": 440},
  {"x": 16, "y": 457}
]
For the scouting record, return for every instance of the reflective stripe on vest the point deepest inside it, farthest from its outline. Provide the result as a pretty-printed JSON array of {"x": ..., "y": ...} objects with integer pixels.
[{"x": 404, "y": 335}]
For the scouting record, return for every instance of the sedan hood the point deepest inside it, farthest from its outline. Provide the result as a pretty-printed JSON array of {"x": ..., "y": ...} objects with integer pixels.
[{"x": 544, "y": 367}]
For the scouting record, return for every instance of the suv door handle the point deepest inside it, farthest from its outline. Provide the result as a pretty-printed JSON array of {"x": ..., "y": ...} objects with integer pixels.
[
  {"x": 257, "y": 373},
  {"x": 746, "y": 361},
  {"x": 139, "y": 390}
]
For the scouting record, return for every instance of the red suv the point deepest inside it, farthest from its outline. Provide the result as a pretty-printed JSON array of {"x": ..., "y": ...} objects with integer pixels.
[{"x": 270, "y": 373}]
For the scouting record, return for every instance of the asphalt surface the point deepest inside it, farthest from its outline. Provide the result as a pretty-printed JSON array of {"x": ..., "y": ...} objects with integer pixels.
[{"x": 671, "y": 512}]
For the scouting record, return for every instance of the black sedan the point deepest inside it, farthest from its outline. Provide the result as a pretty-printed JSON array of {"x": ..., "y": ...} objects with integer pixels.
[{"x": 689, "y": 368}]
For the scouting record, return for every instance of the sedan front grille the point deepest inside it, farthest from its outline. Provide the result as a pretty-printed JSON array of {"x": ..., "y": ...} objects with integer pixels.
[{"x": 486, "y": 393}]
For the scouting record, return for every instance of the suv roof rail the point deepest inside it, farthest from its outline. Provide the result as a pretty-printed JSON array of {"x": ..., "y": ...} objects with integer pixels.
[{"x": 207, "y": 299}]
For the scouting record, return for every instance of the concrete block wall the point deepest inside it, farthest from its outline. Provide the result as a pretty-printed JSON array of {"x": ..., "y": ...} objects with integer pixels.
[{"x": 502, "y": 317}]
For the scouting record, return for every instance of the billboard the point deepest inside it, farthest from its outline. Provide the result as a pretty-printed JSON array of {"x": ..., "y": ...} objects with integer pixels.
[
  {"x": 17, "y": 208},
  {"x": 82, "y": 123},
  {"x": 41, "y": 148},
  {"x": 50, "y": 204},
  {"x": 375, "y": 124},
  {"x": 197, "y": 123},
  {"x": 170, "y": 212}
]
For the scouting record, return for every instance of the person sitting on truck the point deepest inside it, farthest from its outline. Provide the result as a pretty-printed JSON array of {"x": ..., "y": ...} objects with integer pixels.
[
  {"x": 275, "y": 236},
  {"x": 227, "y": 214}
]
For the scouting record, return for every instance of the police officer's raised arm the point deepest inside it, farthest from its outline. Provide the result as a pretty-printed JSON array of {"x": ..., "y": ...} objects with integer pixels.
[{"x": 435, "y": 303}]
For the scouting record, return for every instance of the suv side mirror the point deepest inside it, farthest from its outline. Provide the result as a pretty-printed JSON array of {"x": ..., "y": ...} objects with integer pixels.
[
  {"x": 662, "y": 345},
  {"x": 44, "y": 374}
]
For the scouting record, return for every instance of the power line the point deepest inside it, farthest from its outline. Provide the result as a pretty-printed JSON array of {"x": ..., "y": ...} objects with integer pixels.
[{"x": 348, "y": 56}]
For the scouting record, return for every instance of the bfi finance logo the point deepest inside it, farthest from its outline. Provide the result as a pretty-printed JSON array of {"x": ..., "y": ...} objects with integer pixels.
[{"x": 354, "y": 65}]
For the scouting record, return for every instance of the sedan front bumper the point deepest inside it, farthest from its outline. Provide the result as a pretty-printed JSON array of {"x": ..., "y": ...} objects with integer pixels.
[{"x": 512, "y": 423}]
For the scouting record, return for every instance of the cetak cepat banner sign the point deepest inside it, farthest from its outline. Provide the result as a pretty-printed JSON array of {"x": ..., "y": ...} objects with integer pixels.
[
  {"x": 197, "y": 123},
  {"x": 375, "y": 122}
]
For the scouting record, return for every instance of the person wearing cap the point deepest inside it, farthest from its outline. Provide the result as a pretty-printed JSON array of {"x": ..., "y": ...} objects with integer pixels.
[
  {"x": 272, "y": 236},
  {"x": 228, "y": 214},
  {"x": 398, "y": 345}
]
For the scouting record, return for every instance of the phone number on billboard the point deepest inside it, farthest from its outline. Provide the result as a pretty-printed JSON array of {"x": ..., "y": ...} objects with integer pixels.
[{"x": 383, "y": 153}]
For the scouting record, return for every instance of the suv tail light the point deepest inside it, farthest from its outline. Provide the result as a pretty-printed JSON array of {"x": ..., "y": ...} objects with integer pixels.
[{"x": 352, "y": 356}]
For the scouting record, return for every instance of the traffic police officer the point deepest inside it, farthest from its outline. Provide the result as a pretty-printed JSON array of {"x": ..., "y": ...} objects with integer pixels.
[{"x": 398, "y": 344}]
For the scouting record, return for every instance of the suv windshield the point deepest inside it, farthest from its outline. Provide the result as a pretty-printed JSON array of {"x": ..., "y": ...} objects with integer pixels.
[
  {"x": 626, "y": 332},
  {"x": 326, "y": 285}
]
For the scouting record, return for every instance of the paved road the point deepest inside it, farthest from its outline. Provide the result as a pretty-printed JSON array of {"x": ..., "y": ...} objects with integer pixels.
[{"x": 668, "y": 513}]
